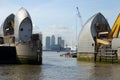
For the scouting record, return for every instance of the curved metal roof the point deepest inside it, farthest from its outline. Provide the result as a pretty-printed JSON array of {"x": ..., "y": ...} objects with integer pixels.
[
  {"x": 22, "y": 20},
  {"x": 88, "y": 32},
  {"x": 22, "y": 14},
  {"x": 7, "y": 24}
]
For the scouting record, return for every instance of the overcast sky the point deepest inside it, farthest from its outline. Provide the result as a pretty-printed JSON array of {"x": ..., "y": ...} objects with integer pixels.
[{"x": 59, "y": 17}]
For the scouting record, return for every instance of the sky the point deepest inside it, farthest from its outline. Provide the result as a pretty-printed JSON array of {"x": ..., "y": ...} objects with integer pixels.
[{"x": 59, "y": 17}]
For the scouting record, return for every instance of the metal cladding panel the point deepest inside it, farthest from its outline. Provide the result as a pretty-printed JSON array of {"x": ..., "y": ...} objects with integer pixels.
[
  {"x": 21, "y": 15},
  {"x": 23, "y": 26},
  {"x": 7, "y": 24},
  {"x": 99, "y": 18},
  {"x": 1, "y": 31},
  {"x": 86, "y": 41},
  {"x": 25, "y": 30}
]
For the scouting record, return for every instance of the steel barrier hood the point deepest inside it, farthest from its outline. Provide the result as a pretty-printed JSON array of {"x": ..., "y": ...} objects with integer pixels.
[
  {"x": 86, "y": 36},
  {"x": 23, "y": 26}
]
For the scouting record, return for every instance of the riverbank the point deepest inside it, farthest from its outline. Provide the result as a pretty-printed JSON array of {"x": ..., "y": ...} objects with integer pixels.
[{"x": 103, "y": 60}]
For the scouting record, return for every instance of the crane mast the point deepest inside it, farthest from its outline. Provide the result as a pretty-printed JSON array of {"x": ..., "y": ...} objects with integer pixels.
[
  {"x": 114, "y": 33},
  {"x": 78, "y": 14}
]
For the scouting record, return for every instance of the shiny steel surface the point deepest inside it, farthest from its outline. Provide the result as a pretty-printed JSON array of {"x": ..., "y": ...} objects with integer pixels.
[
  {"x": 23, "y": 19},
  {"x": 6, "y": 24},
  {"x": 21, "y": 15},
  {"x": 86, "y": 36}
]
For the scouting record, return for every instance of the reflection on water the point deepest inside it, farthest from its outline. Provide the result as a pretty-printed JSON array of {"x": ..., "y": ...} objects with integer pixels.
[
  {"x": 102, "y": 72},
  {"x": 19, "y": 72},
  {"x": 59, "y": 68}
]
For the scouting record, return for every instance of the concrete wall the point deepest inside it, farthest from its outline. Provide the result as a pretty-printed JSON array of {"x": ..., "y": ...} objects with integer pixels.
[
  {"x": 8, "y": 55},
  {"x": 85, "y": 55},
  {"x": 27, "y": 53},
  {"x": 118, "y": 53},
  {"x": 115, "y": 43}
]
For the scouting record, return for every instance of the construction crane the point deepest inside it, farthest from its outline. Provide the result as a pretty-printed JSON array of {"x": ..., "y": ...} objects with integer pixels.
[
  {"x": 115, "y": 29},
  {"x": 78, "y": 14},
  {"x": 113, "y": 33}
]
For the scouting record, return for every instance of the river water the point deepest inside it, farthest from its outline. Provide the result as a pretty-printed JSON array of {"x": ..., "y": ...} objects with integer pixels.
[{"x": 55, "y": 67}]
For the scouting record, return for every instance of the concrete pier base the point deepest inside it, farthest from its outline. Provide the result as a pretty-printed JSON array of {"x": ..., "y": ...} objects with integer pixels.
[
  {"x": 85, "y": 56},
  {"x": 29, "y": 55},
  {"x": 118, "y": 53},
  {"x": 30, "y": 60}
]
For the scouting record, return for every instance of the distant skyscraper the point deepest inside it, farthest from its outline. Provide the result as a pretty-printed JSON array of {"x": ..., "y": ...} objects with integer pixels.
[
  {"x": 52, "y": 40},
  {"x": 47, "y": 43},
  {"x": 62, "y": 43},
  {"x": 59, "y": 41}
]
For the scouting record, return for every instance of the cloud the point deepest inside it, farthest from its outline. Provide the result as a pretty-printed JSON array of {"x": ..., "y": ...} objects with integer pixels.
[{"x": 58, "y": 28}]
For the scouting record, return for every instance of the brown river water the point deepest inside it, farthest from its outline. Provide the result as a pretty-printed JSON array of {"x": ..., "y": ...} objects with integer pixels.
[{"x": 55, "y": 67}]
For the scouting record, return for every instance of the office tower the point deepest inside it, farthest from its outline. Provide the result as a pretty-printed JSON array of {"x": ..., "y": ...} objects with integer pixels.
[
  {"x": 52, "y": 40},
  {"x": 59, "y": 41},
  {"x": 47, "y": 43},
  {"x": 62, "y": 43}
]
